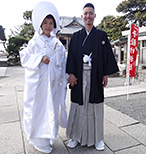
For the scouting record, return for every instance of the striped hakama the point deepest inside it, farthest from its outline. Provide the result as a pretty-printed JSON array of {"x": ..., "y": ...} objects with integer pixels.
[{"x": 85, "y": 122}]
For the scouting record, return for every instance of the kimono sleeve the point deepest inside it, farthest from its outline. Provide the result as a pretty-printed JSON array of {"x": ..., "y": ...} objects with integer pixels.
[
  {"x": 30, "y": 57},
  {"x": 70, "y": 66},
  {"x": 110, "y": 66},
  {"x": 60, "y": 55}
]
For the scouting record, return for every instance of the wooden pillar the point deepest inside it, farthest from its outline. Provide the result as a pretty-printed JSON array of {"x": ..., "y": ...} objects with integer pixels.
[
  {"x": 119, "y": 54},
  {"x": 67, "y": 43},
  {"x": 140, "y": 54}
]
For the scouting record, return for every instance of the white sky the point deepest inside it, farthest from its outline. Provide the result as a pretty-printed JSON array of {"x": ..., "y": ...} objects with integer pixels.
[{"x": 11, "y": 11}]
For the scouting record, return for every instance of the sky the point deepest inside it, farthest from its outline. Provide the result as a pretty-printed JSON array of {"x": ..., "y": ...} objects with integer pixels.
[{"x": 11, "y": 11}]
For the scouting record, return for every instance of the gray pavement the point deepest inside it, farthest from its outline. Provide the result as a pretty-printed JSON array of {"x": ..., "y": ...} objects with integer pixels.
[
  {"x": 123, "y": 134},
  {"x": 135, "y": 107}
]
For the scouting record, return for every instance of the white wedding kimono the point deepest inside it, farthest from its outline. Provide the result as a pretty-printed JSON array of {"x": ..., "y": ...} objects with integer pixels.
[{"x": 45, "y": 89}]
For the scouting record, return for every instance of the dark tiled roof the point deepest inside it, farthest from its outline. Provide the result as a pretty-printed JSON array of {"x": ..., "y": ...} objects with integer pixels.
[{"x": 69, "y": 25}]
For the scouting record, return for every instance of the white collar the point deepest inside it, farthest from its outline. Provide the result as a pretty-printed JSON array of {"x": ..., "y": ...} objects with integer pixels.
[{"x": 89, "y": 31}]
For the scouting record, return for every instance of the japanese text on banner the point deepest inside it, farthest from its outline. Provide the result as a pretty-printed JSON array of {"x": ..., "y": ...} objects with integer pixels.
[{"x": 133, "y": 50}]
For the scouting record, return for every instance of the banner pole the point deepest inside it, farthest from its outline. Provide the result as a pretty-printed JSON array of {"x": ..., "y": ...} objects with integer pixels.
[{"x": 128, "y": 64}]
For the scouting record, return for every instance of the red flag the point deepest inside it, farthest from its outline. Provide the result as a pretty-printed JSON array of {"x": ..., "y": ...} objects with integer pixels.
[{"x": 131, "y": 65}]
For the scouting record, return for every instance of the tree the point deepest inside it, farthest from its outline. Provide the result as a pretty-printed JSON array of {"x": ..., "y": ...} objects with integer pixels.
[
  {"x": 113, "y": 26},
  {"x": 27, "y": 15},
  {"x": 14, "y": 46},
  {"x": 105, "y": 25},
  {"x": 27, "y": 31},
  {"x": 134, "y": 11},
  {"x": 2, "y": 35},
  {"x": 16, "y": 31},
  {"x": 20, "y": 36}
]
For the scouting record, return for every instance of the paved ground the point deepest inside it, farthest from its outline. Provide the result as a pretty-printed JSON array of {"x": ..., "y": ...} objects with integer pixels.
[
  {"x": 135, "y": 107},
  {"x": 123, "y": 134}
]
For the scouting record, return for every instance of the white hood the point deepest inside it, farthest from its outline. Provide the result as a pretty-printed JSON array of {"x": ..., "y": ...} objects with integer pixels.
[{"x": 40, "y": 11}]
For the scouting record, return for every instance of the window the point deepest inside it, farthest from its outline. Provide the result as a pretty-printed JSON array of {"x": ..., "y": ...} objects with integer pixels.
[{"x": 144, "y": 43}]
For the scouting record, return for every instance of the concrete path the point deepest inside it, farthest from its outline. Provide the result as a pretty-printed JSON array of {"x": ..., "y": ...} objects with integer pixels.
[{"x": 123, "y": 134}]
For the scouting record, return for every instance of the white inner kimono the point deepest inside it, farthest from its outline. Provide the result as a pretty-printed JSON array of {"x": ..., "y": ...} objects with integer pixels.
[{"x": 45, "y": 89}]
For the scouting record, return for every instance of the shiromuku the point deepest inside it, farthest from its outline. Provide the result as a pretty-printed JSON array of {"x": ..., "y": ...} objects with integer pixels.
[{"x": 44, "y": 61}]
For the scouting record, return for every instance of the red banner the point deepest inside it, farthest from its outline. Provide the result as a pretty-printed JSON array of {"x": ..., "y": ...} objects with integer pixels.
[{"x": 131, "y": 65}]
